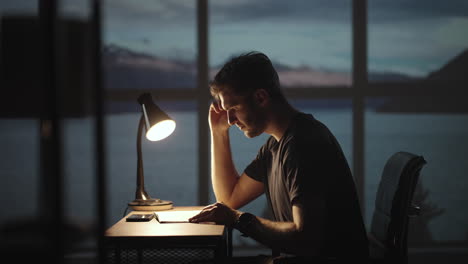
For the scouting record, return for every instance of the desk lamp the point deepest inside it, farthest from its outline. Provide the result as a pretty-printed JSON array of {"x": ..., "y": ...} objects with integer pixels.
[{"x": 158, "y": 126}]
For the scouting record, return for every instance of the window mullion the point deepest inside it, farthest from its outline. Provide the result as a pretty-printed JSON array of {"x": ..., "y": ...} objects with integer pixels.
[{"x": 359, "y": 17}]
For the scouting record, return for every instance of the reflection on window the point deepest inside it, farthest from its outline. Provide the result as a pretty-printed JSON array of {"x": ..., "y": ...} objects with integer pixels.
[
  {"x": 411, "y": 40},
  {"x": 441, "y": 139},
  {"x": 308, "y": 41}
]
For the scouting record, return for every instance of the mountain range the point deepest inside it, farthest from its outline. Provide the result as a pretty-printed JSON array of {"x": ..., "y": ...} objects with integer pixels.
[
  {"x": 127, "y": 69},
  {"x": 453, "y": 76},
  {"x": 131, "y": 70}
]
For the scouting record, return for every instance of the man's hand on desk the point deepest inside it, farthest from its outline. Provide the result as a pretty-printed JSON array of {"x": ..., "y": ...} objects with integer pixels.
[{"x": 218, "y": 213}]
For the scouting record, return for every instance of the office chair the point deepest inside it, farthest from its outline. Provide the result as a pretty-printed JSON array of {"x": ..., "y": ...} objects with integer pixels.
[{"x": 393, "y": 207}]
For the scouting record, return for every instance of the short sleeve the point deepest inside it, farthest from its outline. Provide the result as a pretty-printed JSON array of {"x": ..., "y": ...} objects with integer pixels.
[
  {"x": 306, "y": 172},
  {"x": 257, "y": 169}
]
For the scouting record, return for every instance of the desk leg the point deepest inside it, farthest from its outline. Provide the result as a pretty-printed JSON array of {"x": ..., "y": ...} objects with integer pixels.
[
  {"x": 223, "y": 251},
  {"x": 229, "y": 243}
]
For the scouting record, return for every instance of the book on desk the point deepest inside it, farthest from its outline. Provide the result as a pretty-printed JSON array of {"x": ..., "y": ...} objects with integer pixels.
[{"x": 175, "y": 216}]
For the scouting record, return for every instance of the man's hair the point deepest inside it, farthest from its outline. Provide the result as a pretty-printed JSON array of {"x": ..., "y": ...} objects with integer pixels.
[{"x": 246, "y": 73}]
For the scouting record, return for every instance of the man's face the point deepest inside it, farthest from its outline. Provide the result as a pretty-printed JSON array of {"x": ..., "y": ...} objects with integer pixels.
[{"x": 244, "y": 112}]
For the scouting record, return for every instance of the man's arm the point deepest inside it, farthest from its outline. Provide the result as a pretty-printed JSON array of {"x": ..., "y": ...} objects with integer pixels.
[
  {"x": 228, "y": 187},
  {"x": 303, "y": 236}
]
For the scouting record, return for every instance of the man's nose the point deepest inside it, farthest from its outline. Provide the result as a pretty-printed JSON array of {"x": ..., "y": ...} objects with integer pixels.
[{"x": 232, "y": 119}]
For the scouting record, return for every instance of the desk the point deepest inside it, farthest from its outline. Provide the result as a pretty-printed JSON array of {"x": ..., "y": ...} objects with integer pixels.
[{"x": 169, "y": 242}]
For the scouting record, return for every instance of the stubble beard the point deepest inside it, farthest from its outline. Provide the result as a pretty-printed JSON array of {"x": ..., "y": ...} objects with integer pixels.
[{"x": 256, "y": 127}]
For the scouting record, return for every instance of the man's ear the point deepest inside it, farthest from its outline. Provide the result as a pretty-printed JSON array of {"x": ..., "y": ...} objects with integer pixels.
[{"x": 262, "y": 97}]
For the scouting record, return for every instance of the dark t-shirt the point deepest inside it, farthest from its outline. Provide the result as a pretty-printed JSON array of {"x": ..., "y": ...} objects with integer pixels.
[{"x": 307, "y": 163}]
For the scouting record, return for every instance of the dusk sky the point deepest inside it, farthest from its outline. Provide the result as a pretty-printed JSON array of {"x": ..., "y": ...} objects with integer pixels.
[{"x": 411, "y": 37}]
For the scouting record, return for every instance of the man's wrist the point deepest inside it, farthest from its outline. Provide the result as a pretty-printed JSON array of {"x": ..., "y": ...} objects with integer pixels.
[
  {"x": 244, "y": 221},
  {"x": 236, "y": 216},
  {"x": 220, "y": 132}
]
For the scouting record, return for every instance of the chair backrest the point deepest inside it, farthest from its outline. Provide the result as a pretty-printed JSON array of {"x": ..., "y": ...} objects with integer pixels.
[{"x": 389, "y": 227}]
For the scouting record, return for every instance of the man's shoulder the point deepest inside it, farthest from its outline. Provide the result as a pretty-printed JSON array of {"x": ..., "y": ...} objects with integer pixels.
[
  {"x": 305, "y": 128},
  {"x": 306, "y": 121},
  {"x": 308, "y": 135}
]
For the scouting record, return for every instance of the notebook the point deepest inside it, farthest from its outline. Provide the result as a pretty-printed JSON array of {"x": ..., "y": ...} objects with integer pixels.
[{"x": 175, "y": 216}]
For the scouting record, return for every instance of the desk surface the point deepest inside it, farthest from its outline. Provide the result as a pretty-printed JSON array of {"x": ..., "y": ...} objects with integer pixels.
[
  {"x": 153, "y": 229},
  {"x": 154, "y": 235}
]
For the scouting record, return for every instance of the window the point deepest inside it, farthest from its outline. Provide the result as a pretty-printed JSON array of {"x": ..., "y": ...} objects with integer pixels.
[
  {"x": 417, "y": 63},
  {"x": 411, "y": 40},
  {"x": 150, "y": 46},
  {"x": 19, "y": 128},
  {"x": 440, "y": 138},
  {"x": 308, "y": 41},
  {"x": 20, "y": 165}
]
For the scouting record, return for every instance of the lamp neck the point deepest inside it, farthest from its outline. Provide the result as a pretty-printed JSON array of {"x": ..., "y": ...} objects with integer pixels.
[{"x": 140, "y": 191}]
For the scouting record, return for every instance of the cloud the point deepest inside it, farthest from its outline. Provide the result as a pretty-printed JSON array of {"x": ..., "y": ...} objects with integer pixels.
[
  {"x": 383, "y": 11},
  {"x": 337, "y": 11},
  {"x": 297, "y": 10},
  {"x": 418, "y": 47},
  {"x": 150, "y": 11},
  {"x": 286, "y": 29},
  {"x": 177, "y": 11}
]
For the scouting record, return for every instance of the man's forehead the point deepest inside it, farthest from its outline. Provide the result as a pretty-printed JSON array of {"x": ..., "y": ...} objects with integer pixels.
[{"x": 227, "y": 99}]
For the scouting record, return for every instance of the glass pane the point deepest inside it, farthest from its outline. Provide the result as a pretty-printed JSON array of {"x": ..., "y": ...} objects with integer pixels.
[
  {"x": 417, "y": 40},
  {"x": 441, "y": 139},
  {"x": 13, "y": 7},
  {"x": 19, "y": 128},
  {"x": 79, "y": 182},
  {"x": 149, "y": 44},
  {"x": 74, "y": 9},
  {"x": 309, "y": 42},
  {"x": 20, "y": 163}
]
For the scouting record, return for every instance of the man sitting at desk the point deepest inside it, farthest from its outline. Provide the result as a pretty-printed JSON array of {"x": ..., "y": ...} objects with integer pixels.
[{"x": 301, "y": 169}]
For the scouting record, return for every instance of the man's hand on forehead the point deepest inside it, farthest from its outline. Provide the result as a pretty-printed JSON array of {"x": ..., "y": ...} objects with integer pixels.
[
  {"x": 216, "y": 106},
  {"x": 217, "y": 103}
]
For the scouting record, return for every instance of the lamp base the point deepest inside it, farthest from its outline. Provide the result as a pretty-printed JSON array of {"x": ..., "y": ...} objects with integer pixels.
[{"x": 150, "y": 205}]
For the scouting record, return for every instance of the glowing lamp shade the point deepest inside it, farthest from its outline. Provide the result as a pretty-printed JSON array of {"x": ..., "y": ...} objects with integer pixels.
[
  {"x": 158, "y": 126},
  {"x": 161, "y": 130}
]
